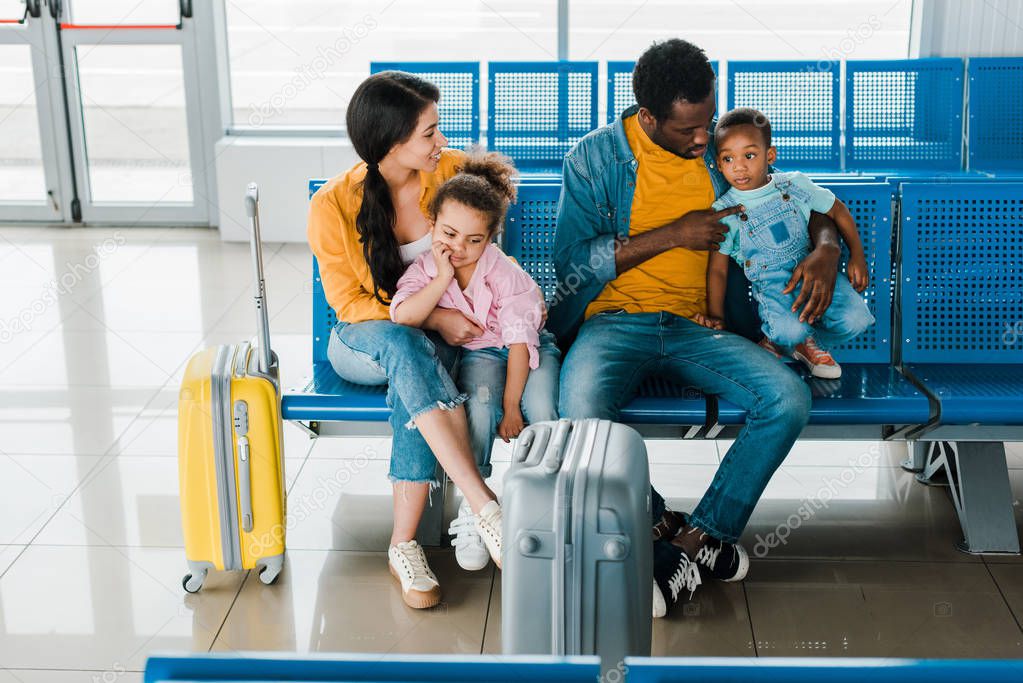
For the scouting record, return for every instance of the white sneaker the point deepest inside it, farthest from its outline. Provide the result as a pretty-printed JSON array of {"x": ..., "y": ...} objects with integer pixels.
[
  {"x": 470, "y": 552},
  {"x": 419, "y": 587},
  {"x": 660, "y": 606},
  {"x": 488, "y": 524}
]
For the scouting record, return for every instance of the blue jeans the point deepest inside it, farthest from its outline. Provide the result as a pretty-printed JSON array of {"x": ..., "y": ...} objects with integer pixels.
[
  {"x": 481, "y": 375},
  {"x": 615, "y": 351},
  {"x": 415, "y": 366},
  {"x": 846, "y": 317}
]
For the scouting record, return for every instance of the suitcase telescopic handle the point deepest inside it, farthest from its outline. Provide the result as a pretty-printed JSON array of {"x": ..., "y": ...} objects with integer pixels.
[{"x": 262, "y": 319}]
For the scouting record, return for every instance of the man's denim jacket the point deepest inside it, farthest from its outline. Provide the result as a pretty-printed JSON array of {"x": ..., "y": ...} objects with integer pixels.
[{"x": 594, "y": 212}]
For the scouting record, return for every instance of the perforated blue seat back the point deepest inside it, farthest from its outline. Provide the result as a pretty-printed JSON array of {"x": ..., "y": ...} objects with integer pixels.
[
  {"x": 801, "y": 100},
  {"x": 459, "y": 84},
  {"x": 620, "y": 95},
  {"x": 962, "y": 279},
  {"x": 904, "y": 114},
  {"x": 538, "y": 110},
  {"x": 529, "y": 233},
  {"x": 871, "y": 207},
  {"x": 995, "y": 113}
]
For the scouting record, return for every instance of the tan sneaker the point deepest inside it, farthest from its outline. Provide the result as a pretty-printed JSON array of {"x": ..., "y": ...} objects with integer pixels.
[
  {"x": 769, "y": 346},
  {"x": 419, "y": 587},
  {"x": 488, "y": 524},
  {"x": 819, "y": 362}
]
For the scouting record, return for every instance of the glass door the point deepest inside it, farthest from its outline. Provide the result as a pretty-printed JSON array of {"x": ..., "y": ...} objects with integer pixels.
[
  {"x": 133, "y": 109},
  {"x": 32, "y": 185}
]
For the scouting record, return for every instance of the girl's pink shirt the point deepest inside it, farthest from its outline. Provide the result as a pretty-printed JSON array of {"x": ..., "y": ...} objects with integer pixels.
[{"x": 501, "y": 298}]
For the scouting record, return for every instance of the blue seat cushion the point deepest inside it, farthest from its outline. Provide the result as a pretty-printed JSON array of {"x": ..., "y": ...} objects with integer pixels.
[
  {"x": 866, "y": 394},
  {"x": 988, "y": 394},
  {"x": 328, "y": 398}
]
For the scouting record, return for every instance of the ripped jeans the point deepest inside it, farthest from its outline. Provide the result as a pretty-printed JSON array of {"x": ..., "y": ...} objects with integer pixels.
[
  {"x": 415, "y": 367},
  {"x": 481, "y": 376}
]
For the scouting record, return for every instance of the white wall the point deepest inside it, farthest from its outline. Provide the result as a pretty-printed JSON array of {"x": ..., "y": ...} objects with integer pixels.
[
  {"x": 961, "y": 28},
  {"x": 282, "y": 167}
]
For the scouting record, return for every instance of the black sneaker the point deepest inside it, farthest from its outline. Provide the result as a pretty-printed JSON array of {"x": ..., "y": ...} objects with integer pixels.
[
  {"x": 717, "y": 559},
  {"x": 676, "y": 577},
  {"x": 722, "y": 561},
  {"x": 671, "y": 523}
]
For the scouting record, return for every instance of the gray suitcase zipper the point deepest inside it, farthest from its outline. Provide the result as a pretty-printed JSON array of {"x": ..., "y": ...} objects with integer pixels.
[{"x": 223, "y": 453}]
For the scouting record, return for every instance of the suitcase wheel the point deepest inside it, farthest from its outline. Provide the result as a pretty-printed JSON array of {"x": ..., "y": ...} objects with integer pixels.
[
  {"x": 192, "y": 583},
  {"x": 269, "y": 574}
]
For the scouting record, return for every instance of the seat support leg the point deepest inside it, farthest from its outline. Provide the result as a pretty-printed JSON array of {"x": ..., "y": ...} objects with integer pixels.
[
  {"x": 936, "y": 465},
  {"x": 917, "y": 459},
  {"x": 979, "y": 483},
  {"x": 431, "y": 524}
]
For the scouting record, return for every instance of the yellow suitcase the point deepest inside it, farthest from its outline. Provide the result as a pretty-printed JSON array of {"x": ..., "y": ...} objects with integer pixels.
[{"x": 230, "y": 451}]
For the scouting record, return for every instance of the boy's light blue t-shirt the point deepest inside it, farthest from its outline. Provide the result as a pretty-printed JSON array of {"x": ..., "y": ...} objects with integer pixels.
[{"x": 812, "y": 197}]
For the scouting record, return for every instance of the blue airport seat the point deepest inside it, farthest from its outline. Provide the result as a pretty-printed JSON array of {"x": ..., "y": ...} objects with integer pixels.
[
  {"x": 867, "y": 394},
  {"x": 538, "y": 110},
  {"x": 459, "y": 84},
  {"x": 962, "y": 298},
  {"x": 995, "y": 114},
  {"x": 348, "y": 668},
  {"x": 801, "y": 99},
  {"x": 814, "y": 669},
  {"x": 904, "y": 114}
]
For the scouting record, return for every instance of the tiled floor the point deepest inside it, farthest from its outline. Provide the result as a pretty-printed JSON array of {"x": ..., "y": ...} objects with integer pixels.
[{"x": 91, "y": 354}]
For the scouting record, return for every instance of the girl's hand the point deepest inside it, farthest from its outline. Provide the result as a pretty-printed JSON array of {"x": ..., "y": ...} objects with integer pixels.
[
  {"x": 707, "y": 321},
  {"x": 453, "y": 326},
  {"x": 859, "y": 275},
  {"x": 511, "y": 424},
  {"x": 442, "y": 257}
]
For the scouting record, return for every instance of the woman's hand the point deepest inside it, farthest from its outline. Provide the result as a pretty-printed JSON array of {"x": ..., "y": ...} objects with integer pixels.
[
  {"x": 452, "y": 326},
  {"x": 859, "y": 274},
  {"x": 707, "y": 321},
  {"x": 442, "y": 257},
  {"x": 511, "y": 424}
]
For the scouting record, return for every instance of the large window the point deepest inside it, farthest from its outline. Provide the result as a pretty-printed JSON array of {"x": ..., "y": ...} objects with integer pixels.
[
  {"x": 297, "y": 63},
  {"x": 743, "y": 29}
]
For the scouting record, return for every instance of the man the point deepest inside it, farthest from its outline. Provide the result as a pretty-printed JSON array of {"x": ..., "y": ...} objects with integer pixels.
[{"x": 633, "y": 234}]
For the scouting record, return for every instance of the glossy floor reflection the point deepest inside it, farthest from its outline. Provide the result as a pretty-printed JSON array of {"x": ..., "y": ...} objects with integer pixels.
[{"x": 91, "y": 354}]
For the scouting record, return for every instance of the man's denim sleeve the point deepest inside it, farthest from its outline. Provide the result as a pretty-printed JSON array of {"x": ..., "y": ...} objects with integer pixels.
[{"x": 582, "y": 243}]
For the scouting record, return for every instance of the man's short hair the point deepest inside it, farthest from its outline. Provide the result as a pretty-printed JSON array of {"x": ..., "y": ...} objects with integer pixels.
[
  {"x": 671, "y": 71},
  {"x": 746, "y": 116}
]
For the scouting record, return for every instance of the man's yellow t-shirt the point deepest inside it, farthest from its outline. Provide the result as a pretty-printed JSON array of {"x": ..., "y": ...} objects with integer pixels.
[{"x": 667, "y": 186}]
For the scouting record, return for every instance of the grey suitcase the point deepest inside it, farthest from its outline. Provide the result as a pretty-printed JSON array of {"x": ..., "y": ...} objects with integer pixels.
[{"x": 578, "y": 569}]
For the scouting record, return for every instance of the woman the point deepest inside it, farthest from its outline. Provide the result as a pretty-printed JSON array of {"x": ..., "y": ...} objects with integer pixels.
[{"x": 365, "y": 226}]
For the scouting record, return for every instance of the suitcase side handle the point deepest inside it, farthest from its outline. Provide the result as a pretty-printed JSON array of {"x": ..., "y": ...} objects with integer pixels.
[
  {"x": 555, "y": 454},
  {"x": 262, "y": 318}
]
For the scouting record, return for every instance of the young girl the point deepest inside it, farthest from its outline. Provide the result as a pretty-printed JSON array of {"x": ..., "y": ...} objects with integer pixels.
[
  {"x": 769, "y": 238},
  {"x": 512, "y": 359}
]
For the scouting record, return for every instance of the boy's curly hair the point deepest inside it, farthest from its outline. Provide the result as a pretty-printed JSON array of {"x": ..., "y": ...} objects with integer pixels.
[
  {"x": 485, "y": 182},
  {"x": 744, "y": 116}
]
